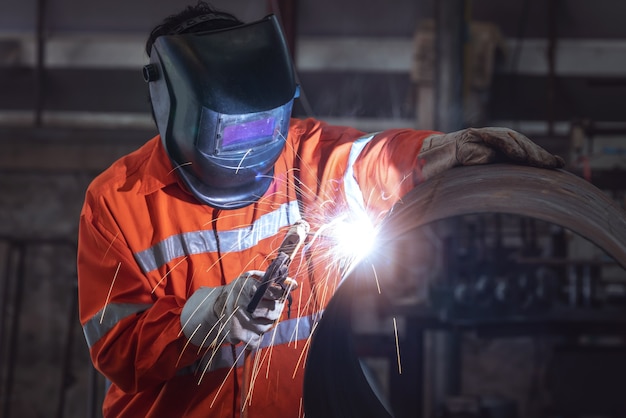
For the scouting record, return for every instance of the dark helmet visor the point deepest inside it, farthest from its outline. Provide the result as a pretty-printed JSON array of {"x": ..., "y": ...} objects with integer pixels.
[{"x": 222, "y": 134}]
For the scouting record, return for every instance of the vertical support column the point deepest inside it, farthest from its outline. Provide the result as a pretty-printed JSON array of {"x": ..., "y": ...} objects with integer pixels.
[
  {"x": 551, "y": 58},
  {"x": 5, "y": 297},
  {"x": 450, "y": 41},
  {"x": 15, "y": 274},
  {"x": 40, "y": 63},
  {"x": 286, "y": 10},
  {"x": 445, "y": 359}
]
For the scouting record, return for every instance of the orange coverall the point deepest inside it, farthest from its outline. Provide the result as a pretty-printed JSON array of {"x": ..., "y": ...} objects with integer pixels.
[{"x": 146, "y": 244}]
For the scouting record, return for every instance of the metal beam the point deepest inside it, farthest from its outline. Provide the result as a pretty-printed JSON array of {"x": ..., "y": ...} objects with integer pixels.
[
  {"x": 63, "y": 150},
  {"x": 573, "y": 57}
]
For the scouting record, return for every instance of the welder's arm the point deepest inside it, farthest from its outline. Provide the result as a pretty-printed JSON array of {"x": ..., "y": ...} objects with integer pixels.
[
  {"x": 473, "y": 146},
  {"x": 217, "y": 315},
  {"x": 133, "y": 333}
]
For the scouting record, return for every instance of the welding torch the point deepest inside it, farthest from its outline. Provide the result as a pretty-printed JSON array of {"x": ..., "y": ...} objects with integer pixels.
[
  {"x": 277, "y": 272},
  {"x": 276, "y": 276}
]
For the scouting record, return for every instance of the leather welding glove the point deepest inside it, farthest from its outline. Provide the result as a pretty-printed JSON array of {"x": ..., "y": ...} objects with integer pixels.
[
  {"x": 473, "y": 146},
  {"x": 217, "y": 315}
]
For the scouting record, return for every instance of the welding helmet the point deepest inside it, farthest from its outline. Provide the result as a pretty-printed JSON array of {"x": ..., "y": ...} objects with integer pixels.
[{"x": 222, "y": 101}]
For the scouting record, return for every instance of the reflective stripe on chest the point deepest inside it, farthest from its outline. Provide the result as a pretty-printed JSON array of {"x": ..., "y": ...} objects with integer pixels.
[{"x": 203, "y": 241}]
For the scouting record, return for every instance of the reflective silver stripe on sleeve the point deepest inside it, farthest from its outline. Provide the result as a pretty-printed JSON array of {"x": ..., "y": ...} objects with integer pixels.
[
  {"x": 288, "y": 331},
  {"x": 107, "y": 317},
  {"x": 354, "y": 195},
  {"x": 198, "y": 242}
]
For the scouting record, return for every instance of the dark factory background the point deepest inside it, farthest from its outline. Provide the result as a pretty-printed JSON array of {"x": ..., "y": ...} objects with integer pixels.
[{"x": 72, "y": 100}]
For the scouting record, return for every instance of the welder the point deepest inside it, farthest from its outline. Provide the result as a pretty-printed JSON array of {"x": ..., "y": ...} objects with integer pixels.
[{"x": 175, "y": 237}]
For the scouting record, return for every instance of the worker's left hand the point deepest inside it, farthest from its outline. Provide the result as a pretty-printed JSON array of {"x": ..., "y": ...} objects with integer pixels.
[
  {"x": 473, "y": 146},
  {"x": 486, "y": 145}
]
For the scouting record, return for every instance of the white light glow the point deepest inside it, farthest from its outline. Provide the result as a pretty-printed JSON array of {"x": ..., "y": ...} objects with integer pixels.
[{"x": 354, "y": 237}]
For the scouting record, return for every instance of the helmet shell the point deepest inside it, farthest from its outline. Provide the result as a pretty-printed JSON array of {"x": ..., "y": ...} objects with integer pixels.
[{"x": 222, "y": 101}]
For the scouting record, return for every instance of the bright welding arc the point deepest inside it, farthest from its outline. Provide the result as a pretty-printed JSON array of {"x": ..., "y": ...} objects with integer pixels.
[{"x": 354, "y": 237}]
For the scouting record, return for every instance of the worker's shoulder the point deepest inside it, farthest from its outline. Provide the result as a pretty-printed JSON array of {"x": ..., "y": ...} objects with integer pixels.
[
  {"x": 317, "y": 128},
  {"x": 125, "y": 168},
  {"x": 299, "y": 127}
]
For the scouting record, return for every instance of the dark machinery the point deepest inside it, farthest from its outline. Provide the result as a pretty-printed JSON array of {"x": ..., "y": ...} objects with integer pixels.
[{"x": 336, "y": 383}]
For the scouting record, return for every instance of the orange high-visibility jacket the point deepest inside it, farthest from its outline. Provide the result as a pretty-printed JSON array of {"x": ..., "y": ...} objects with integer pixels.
[{"x": 146, "y": 244}]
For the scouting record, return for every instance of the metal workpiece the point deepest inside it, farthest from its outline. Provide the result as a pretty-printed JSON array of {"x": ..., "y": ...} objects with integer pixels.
[
  {"x": 336, "y": 382},
  {"x": 554, "y": 196}
]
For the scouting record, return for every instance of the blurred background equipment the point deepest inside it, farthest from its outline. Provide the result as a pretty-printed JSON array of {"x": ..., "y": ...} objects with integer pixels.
[
  {"x": 73, "y": 100},
  {"x": 491, "y": 290}
]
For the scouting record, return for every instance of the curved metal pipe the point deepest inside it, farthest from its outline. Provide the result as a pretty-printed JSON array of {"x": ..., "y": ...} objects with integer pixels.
[
  {"x": 335, "y": 384},
  {"x": 554, "y": 196}
]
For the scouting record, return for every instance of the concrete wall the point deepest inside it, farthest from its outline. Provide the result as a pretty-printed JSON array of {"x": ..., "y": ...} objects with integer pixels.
[{"x": 44, "y": 362}]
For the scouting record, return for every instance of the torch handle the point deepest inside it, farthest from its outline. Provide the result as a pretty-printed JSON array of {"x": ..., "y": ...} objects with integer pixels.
[{"x": 279, "y": 268}]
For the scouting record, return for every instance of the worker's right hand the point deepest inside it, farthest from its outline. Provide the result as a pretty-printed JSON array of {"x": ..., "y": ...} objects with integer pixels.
[{"x": 217, "y": 315}]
